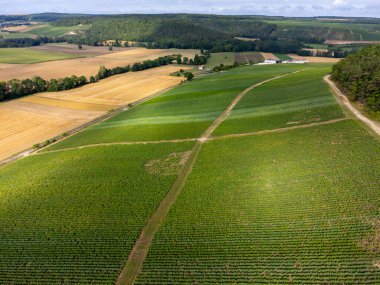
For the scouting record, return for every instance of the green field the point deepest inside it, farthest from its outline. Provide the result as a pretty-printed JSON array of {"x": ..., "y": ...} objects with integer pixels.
[
  {"x": 291, "y": 207},
  {"x": 329, "y": 30},
  {"x": 317, "y": 46},
  {"x": 282, "y": 56},
  {"x": 184, "y": 112},
  {"x": 28, "y": 55},
  {"x": 294, "y": 201},
  {"x": 7, "y": 35},
  {"x": 72, "y": 217},
  {"x": 52, "y": 31},
  {"x": 304, "y": 99},
  {"x": 226, "y": 58}
]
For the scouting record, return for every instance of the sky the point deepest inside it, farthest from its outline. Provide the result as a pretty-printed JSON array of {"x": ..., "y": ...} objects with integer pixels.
[{"x": 358, "y": 8}]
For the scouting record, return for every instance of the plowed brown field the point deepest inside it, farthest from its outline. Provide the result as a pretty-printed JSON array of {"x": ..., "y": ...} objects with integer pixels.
[{"x": 39, "y": 117}]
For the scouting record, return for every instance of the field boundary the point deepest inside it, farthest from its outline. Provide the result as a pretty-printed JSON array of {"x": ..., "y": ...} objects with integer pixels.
[
  {"x": 80, "y": 128},
  {"x": 344, "y": 101},
  {"x": 139, "y": 251},
  {"x": 279, "y": 130},
  {"x": 209, "y": 138},
  {"x": 117, "y": 143}
]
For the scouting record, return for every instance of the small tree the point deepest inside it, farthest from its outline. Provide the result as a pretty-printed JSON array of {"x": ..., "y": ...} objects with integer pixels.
[
  {"x": 3, "y": 90},
  {"x": 92, "y": 79},
  {"x": 189, "y": 76},
  {"x": 80, "y": 46}
]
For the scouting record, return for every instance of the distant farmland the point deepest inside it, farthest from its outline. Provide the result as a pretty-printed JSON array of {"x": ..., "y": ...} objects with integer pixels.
[
  {"x": 264, "y": 179},
  {"x": 80, "y": 66}
]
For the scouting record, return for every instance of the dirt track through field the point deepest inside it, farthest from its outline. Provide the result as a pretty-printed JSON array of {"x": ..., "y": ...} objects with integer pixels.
[
  {"x": 210, "y": 138},
  {"x": 375, "y": 126},
  {"x": 136, "y": 258},
  {"x": 278, "y": 130}
]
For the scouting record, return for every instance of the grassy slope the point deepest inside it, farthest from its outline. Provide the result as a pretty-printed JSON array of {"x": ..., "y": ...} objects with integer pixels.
[
  {"x": 26, "y": 55},
  {"x": 297, "y": 99},
  {"x": 51, "y": 31},
  {"x": 226, "y": 58},
  {"x": 73, "y": 216},
  {"x": 7, "y": 35},
  {"x": 368, "y": 31},
  {"x": 282, "y": 56},
  {"x": 184, "y": 112},
  {"x": 291, "y": 207}
]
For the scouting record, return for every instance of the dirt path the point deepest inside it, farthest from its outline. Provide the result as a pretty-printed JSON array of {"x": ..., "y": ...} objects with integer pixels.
[
  {"x": 140, "y": 249},
  {"x": 278, "y": 130},
  {"x": 375, "y": 126},
  {"x": 116, "y": 143}
]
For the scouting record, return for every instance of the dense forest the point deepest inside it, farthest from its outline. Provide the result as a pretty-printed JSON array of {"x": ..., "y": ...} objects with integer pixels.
[
  {"x": 214, "y": 33},
  {"x": 359, "y": 76}
]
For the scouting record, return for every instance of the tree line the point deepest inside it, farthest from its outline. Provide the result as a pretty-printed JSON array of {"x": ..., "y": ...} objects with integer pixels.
[
  {"x": 15, "y": 88},
  {"x": 359, "y": 76},
  {"x": 27, "y": 42}
]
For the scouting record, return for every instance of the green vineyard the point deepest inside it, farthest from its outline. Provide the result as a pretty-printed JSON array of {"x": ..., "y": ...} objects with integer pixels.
[{"x": 274, "y": 184}]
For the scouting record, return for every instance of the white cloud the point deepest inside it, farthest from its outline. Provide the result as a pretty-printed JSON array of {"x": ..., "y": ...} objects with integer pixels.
[{"x": 339, "y": 2}]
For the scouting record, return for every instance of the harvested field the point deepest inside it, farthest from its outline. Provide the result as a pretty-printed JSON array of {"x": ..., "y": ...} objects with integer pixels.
[
  {"x": 248, "y": 57},
  {"x": 25, "y": 124},
  {"x": 121, "y": 89},
  {"x": 268, "y": 55},
  {"x": 9, "y": 65},
  {"x": 23, "y": 29},
  {"x": 36, "y": 118},
  {"x": 339, "y": 42},
  {"x": 315, "y": 59},
  {"x": 86, "y": 66}
]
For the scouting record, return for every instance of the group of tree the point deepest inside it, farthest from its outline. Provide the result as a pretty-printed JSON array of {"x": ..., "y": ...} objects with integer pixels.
[
  {"x": 15, "y": 88},
  {"x": 197, "y": 60},
  {"x": 27, "y": 42},
  {"x": 359, "y": 76},
  {"x": 182, "y": 73},
  {"x": 335, "y": 53},
  {"x": 223, "y": 67}
]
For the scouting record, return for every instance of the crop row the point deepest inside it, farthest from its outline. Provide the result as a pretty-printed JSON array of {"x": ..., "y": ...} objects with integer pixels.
[
  {"x": 294, "y": 207},
  {"x": 73, "y": 217},
  {"x": 183, "y": 112}
]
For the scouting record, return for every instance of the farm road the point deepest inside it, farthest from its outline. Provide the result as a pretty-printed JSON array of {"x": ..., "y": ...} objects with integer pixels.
[
  {"x": 136, "y": 258},
  {"x": 375, "y": 126}
]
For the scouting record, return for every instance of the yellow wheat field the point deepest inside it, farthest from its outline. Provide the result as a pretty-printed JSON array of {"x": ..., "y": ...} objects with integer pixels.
[{"x": 39, "y": 117}]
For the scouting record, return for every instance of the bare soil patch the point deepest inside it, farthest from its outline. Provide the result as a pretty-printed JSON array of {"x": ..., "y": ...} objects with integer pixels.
[
  {"x": 170, "y": 165},
  {"x": 372, "y": 241}
]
